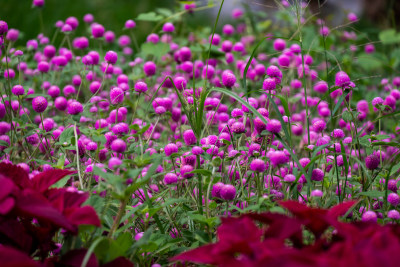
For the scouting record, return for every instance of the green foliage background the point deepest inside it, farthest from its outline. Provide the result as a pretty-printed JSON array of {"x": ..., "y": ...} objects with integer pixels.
[{"x": 112, "y": 15}]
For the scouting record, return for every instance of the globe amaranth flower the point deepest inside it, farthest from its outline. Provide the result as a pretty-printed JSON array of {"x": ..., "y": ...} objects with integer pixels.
[
  {"x": 18, "y": 90},
  {"x": 170, "y": 149},
  {"x": 228, "y": 79},
  {"x": 116, "y": 96},
  {"x": 228, "y": 192},
  {"x": 39, "y": 104},
  {"x": 75, "y": 107},
  {"x": 170, "y": 178},
  {"x": 111, "y": 57},
  {"x": 372, "y": 162},
  {"x": 257, "y": 165}
]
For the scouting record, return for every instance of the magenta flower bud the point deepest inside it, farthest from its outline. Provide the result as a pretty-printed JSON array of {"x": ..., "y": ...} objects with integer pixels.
[
  {"x": 49, "y": 51},
  {"x": 257, "y": 165},
  {"x": 185, "y": 54},
  {"x": 216, "y": 190},
  {"x": 130, "y": 24},
  {"x": 369, "y": 48},
  {"x": 39, "y": 104},
  {"x": 114, "y": 162},
  {"x": 97, "y": 30},
  {"x": 321, "y": 87},
  {"x": 372, "y": 162},
  {"x": 87, "y": 60},
  {"x": 118, "y": 146},
  {"x": 393, "y": 199},
  {"x": 215, "y": 40},
  {"x": 324, "y": 31},
  {"x": 88, "y": 18},
  {"x": 228, "y": 192},
  {"x": 38, "y": 3},
  {"x": 140, "y": 87},
  {"x": 180, "y": 83},
  {"x": 237, "y": 13},
  {"x": 75, "y": 107},
  {"x": 170, "y": 149},
  {"x": 352, "y": 17},
  {"x": 393, "y": 214},
  {"x": 317, "y": 193},
  {"x": 279, "y": 44},
  {"x": 116, "y": 96},
  {"x": 9, "y": 74},
  {"x": 237, "y": 113},
  {"x": 18, "y": 53},
  {"x": 369, "y": 216},
  {"x": 168, "y": 27},
  {"x": 274, "y": 126},
  {"x": 342, "y": 79},
  {"x": 91, "y": 146},
  {"x": 338, "y": 134},
  {"x": 228, "y": 79},
  {"x": 124, "y": 40},
  {"x": 274, "y": 71},
  {"x": 284, "y": 61},
  {"x": 189, "y": 137},
  {"x": 111, "y": 57},
  {"x": 43, "y": 67},
  {"x": 153, "y": 38},
  {"x": 319, "y": 126},
  {"x": 94, "y": 87},
  {"x": 73, "y": 22},
  {"x": 269, "y": 84},
  {"x": 196, "y": 150},
  {"x": 317, "y": 175},
  {"x": 238, "y": 127},
  {"x": 66, "y": 28},
  {"x": 170, "y": 178},
  {"x": 289, "y": 178},
  {"x": 109, "y": 36},
  {"x": 185, "y": 171},
  {"x": 12, "y": 35},
  {"x": 228, "y": 29},
  {"x": 60, "y": 103},
  {"x": 18, "y": 90},
  {"x": 3, "y": 27},
  {"x": 149, "y": 68}
]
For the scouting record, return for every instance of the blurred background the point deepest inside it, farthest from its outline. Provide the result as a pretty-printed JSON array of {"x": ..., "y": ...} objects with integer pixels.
[{"x": 112, "y": 15}]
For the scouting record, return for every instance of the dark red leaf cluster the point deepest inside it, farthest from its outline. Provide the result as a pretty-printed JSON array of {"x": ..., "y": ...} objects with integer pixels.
[
  {"x": 31, "y": 213},
  {"x": 280, "y": 241}
]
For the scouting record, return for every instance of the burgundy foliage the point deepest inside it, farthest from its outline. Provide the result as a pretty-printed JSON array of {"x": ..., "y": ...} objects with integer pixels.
[
  {"x": 31, "y": 213},
  {"x": 281, "y": 240}
]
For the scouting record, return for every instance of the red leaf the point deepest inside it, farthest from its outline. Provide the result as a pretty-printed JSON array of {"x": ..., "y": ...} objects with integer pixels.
[
  {"x": 202, "y": 254},
  {"x": 16, "y": 174},
  {"x": 74, "y": 258},
  {"x": 340, "y": 209},
  {"x": 238, "y": 229},
  {"x": 10, "y": 257},
  {"x": 83, "y": 215},
  {"x": 33, "y": 204},
  {"x": 6, "y": 187},
  {"x": 13, "y": 233},
  {"x": 44, "y": 180},
  {"x": 6, "y": 205}
]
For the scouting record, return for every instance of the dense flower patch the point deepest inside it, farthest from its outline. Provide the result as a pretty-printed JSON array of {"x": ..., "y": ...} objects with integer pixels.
[{"x": 115, "y": 153}]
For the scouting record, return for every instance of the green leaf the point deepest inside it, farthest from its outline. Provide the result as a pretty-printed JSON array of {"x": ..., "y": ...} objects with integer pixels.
[
  {"x": 150, "y": 16},
  {"x": 346, "y": 116},
  {"x": 202, "y": 172},
  {"x": 66, "y": 135},
  {"x": 372, "y": 193},
  {"x": 157, "y": 50},
  {"x": 389, "y": 36}
]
